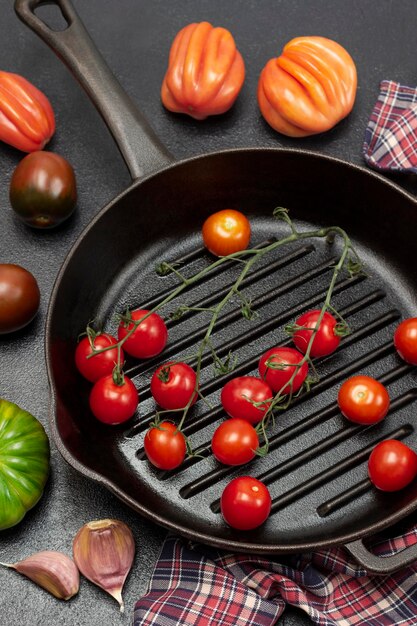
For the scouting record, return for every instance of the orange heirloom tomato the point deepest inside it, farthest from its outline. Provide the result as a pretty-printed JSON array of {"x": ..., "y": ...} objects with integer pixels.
[
  {"x": 309, "y": 88},
  {"x": 226, "y": 232},
  {"x": 205, "y": 72},
  {"x": 27, "y": 121}
]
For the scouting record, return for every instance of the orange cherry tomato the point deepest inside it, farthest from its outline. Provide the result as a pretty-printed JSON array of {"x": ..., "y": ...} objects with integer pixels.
[
  {"x": 27, "y": 121},
  {"x": 205, "y": 72},
  {"x": 226, "y": 232},
  {"x": 309, "y": 88},
  {"x": 363, "y": 400}
]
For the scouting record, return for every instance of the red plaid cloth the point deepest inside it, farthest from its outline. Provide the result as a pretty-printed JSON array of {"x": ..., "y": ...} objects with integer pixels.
[
  {"x": 391, "y": 135},
  {"x": 199, "y": 586}
]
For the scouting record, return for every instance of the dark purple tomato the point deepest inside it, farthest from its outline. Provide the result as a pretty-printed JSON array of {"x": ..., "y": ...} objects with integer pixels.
[
  {"x": 43, "y": 189},
  {"x": 19, "y": 297}
]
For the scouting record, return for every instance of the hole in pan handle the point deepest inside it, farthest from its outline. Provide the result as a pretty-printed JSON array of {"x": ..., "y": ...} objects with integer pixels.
[
  {"x": 137, "y": 142},
  {"x": 379, "y": 564}
]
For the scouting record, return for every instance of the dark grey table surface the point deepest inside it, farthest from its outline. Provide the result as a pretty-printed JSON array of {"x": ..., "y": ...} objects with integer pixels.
[{"x": 134, "y": 37}]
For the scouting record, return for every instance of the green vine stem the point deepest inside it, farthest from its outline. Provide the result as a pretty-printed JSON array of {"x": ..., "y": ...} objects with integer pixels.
[{"x": 348, "y": 260}]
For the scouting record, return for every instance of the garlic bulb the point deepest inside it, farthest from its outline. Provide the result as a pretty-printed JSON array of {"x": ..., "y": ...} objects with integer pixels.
[
  {"x": 104, "y": 551},
  {"x": 52, "y": 571}
]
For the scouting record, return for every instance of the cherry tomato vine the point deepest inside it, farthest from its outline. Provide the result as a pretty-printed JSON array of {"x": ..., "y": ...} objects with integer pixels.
[{"x": 348, "y": 261}]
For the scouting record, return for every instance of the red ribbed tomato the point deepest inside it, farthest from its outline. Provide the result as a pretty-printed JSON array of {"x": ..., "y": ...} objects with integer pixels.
[
  {"x": 27, "y": 121},
  {"x": 205, "y": 72},
  {"x": 309, "y": 88}
]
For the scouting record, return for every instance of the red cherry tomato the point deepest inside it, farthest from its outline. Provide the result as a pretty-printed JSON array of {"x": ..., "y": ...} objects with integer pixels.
[
  {"x": 278, "y": 365},
  {"x": 392, "y": 465},
  {"x": 165, "y": 446},
  {"x": 235, "y": 442},
  {"x": 113, "y": 403},
  {"x": 245, "y": 503},
  {"x": 101, "y": 364},
  {"x": 325, "y": 339},
  {"x": 238, "y": 394},
  {"x": 226, "y": 232},
  {"x": 173, "y": 385},
  {"x": 149, "y": 337},
  {"x": 405, "y": 340},
  {"x": 363, "y": 400}
]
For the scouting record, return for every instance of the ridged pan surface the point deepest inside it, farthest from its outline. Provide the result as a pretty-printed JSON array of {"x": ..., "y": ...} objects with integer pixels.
[{"x": 316, "y": 466}]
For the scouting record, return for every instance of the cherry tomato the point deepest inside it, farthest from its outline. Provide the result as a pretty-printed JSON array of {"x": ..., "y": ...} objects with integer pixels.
[
  {"x": 43, "y": 189},
  {"x": 19, "y": 297},
  {"x": 112, "y": 402},
  {"x": 284, "y": 363},
  {"x": 101, "y": 364},
  {"x": 234, "y": 442},
  {"x": 245, "y": 503},
  {"x": 237, "y": 394},
  {"x": 405, "y": 340},
  {"x": 363, "y": 400},
  {"x": 173, "y": 385},
  {"x": 392, "y": 465},
  {"x": 226, "y": 232},
  {"x": 325, "y": 339},
  {"x": 149, "y": 337},
  {"x": 165, "y": 446}
]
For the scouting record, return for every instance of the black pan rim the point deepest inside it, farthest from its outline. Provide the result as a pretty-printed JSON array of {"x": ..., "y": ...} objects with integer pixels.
[{"x": 111, "y": 486}]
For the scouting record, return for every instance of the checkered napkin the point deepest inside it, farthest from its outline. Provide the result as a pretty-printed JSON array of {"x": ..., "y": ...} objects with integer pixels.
[
  {"x": 196, "y": 585},
  {"x": 391, "y": 134}
]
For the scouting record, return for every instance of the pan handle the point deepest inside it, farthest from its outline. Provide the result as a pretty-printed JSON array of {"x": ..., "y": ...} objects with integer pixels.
[
  {"x": 137, "y": 142},
  {"x": 378, "y": 564}
]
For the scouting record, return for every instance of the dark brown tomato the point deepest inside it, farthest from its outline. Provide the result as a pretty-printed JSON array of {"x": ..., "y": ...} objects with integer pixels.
[
  {"x": 43, "y": 189},
  {"x": 19, "y": 297}
]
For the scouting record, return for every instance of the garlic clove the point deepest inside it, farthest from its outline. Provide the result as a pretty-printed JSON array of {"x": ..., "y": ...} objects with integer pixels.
[
  {"x": 53, "y": 571},
  {"x": 104, "y": 551}
]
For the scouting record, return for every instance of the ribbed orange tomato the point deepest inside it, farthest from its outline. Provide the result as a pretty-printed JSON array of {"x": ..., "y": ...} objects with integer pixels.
[
  {"x": 309, "y": 88},
  {"x": 27, "y": 121},
  {"x": 205, "y": 72}
]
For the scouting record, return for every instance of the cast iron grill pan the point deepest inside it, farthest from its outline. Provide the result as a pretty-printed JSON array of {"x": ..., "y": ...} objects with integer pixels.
[{"x": 316, "y": 467}]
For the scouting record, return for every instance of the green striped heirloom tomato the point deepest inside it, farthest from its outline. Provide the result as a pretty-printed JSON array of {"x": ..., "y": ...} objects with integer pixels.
[{"x": 24, "y": 462}]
